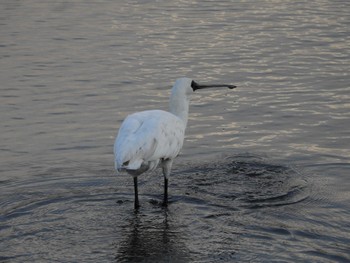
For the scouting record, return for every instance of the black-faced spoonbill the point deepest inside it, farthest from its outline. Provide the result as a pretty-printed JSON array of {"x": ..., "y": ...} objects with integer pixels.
[{"x": 153, "y": 138}]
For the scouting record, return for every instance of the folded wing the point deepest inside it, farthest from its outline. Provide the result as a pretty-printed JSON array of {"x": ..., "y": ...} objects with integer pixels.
[{"x": 146, "y": 137}]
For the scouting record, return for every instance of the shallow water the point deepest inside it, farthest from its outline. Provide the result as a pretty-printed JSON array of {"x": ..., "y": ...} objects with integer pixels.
[{"x": 263, "y": 175}]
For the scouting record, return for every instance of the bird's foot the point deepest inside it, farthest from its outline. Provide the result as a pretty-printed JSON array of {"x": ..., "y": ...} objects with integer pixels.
[{"x": 165, "y": 203}]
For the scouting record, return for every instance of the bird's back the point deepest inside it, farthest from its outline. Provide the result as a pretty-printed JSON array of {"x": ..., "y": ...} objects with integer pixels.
[{"x": 146, "y": 137}]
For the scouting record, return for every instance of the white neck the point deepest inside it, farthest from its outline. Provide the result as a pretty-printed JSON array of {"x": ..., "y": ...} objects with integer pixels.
[{"x": 179, "y": 104}]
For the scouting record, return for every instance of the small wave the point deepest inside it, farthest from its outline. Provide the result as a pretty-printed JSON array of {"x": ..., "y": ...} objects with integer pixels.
[{"x": 246, "y": 181}]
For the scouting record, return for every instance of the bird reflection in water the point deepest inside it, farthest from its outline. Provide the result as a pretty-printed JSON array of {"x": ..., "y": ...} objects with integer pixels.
[{"x": 151, "y": 238}]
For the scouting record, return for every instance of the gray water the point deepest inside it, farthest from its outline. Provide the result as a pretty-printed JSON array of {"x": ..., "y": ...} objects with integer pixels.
[{"x": 264, "y": 172}]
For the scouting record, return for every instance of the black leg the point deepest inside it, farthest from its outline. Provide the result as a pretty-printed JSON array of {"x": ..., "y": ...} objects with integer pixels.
[
  {"x": 165, "y": 202},
  {"x": 136, "y": 204},
  {"x": 167, "y": 163}
]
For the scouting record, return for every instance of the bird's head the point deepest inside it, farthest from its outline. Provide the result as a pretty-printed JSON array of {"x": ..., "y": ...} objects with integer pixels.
[
  {"x": 181, "y": 93},
  {"x": 182, "y": 87}
]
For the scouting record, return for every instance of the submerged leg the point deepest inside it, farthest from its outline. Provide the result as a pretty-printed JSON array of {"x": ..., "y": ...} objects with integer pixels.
[
  {"x": 136, "y": 204},
  {"x": 166, "y": 172}
]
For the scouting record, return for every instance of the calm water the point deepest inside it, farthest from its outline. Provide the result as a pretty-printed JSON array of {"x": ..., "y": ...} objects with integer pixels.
[{"x": 264, "y": 172}]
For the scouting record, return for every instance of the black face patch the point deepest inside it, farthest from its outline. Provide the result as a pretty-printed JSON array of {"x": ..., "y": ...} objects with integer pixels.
[{"x": 194, "y": 85}]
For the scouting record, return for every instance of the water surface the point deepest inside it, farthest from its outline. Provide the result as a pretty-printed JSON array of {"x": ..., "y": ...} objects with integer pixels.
[{"x": 263, "y": 175}]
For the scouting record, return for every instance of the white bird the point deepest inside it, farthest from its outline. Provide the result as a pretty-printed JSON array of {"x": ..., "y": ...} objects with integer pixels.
[{"x": 153, "y": 138}]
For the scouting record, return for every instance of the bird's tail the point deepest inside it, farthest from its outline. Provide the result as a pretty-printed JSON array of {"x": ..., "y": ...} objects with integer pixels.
[{"x": 127, "y": 165}]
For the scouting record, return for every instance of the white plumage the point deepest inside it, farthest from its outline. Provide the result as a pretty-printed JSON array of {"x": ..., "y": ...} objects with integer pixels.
[
  {"x": 153, "y": 138},
  {"x": 147, "y": 137}
]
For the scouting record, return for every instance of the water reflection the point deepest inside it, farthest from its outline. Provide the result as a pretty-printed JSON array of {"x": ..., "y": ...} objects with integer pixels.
[
  {"x": 75, "y": 70},
  {"x": 152, "y": 238}
]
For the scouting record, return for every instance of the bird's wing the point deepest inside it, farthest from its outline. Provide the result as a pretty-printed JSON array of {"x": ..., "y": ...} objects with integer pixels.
[
  {"x": 148, "y": 136},
  {"x": 170, "y": 136}
]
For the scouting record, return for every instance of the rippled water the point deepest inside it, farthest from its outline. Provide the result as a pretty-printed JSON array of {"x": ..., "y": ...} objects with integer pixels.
[{"x": 263, "y": 175}]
